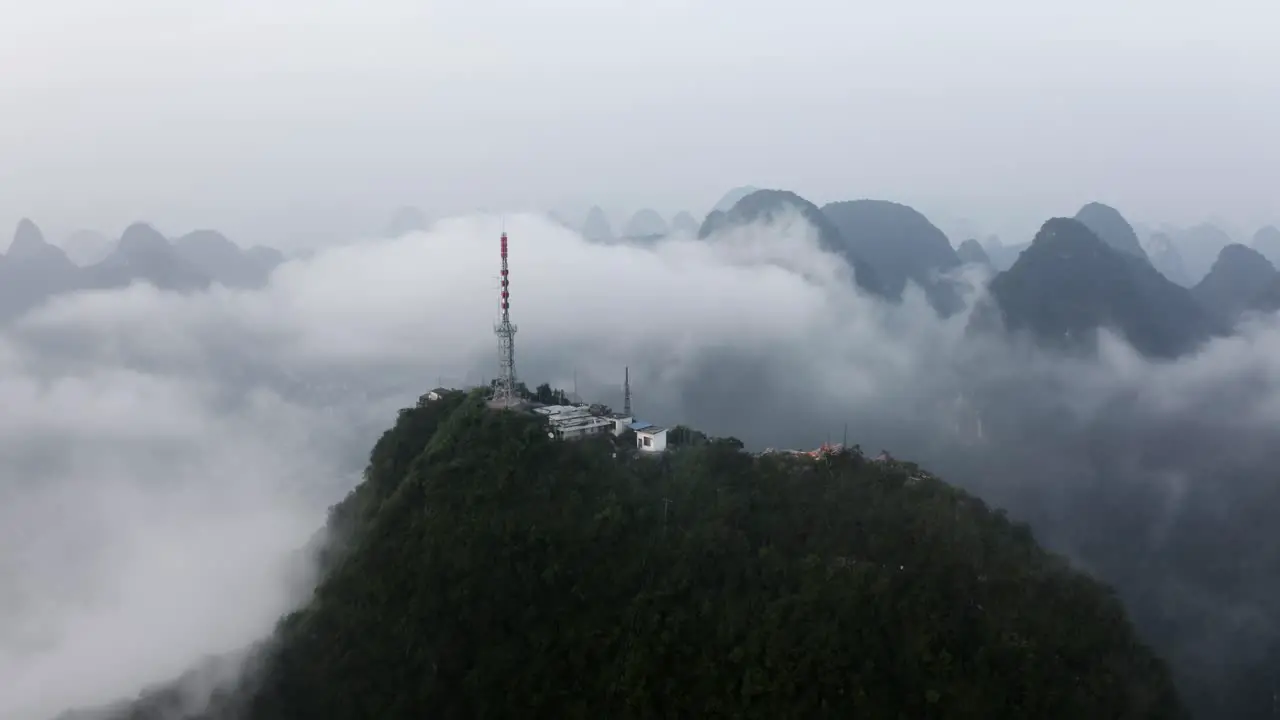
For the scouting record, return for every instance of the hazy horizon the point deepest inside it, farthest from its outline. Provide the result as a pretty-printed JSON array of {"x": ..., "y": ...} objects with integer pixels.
[
  {"x": 168, "y": 456},
  {"x": 294, "y": 123}
]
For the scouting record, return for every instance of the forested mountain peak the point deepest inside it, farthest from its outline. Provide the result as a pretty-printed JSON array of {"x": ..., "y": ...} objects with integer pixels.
[
  {"x": 217, "y": 257},
  {"x": 901, "y": 244},
  {"x": 484, "y": 570},
  {"x": 32, "y": 271},
  {"x": 1069, "y": 283},
  {"x": 769, "y": 205},
  {"x": 1241, "y": 280},
  {"x": 142, "y": 238},
  {"x": 35, "y": 254},
  {"x": 1108, "y": 224},
  {"x": 645, "y": 223},
  {"x": 27, "y": 240},
  {"x": 731, "y": 198},
  {"x": 1267, "y": 242},
  {"x": 1164, "y": 256},
  {"x": 971, "y": 251},
  {"x": 143, "y": 254}
]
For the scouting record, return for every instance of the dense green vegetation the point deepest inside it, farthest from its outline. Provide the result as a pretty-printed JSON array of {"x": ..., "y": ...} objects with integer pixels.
[{"x": 483, "y": 570}]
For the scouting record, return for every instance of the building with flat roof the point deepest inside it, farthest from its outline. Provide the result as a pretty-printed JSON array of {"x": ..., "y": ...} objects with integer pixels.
[
  {"x": 621, "y": 422},
  {"x": 650, "y": 438},
  {"x": 571, "y": 422}
]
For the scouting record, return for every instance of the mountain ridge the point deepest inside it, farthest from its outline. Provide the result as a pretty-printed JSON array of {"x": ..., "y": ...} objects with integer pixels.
[
  {"x": 1069, "y": 282},
  {"x": 38, "y": 270},
  {"x": 480, "y": 554},
  {"x": 1111, "y": 227},
  {"x": 902, "y": 245},
  {"x": 768, "y": 205},
  {"x": 1241, "y": 280}
]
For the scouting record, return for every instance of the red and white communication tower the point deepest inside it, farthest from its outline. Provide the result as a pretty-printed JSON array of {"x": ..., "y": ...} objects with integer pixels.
[{"x": 504, "y": 389}]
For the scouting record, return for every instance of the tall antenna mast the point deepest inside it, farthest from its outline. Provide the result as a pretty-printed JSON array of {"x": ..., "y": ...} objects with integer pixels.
[
  {"x": 504, "y": 389},
  {"x": 626, "y": 392}
]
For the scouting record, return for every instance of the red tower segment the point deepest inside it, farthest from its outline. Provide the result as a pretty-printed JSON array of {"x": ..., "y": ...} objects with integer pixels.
[
  {"x": 505, "y": 294},
  {"x": 504, "y": 391}
]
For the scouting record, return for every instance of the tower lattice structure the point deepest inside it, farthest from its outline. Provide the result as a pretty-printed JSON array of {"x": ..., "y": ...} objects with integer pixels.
[{"x": 504, "y": 389}]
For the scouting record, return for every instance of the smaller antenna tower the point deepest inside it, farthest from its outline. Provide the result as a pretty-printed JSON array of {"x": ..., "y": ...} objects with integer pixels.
[
  {"x": 626, "y": 392},
  {"x": 504, "y": 389}
]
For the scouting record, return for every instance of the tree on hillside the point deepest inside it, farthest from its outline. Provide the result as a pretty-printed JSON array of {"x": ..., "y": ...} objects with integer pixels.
[{"x": 489, "y": 571}]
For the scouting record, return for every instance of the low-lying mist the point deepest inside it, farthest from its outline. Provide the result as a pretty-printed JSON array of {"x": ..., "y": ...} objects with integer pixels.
[{"x": 165, "y": 458}]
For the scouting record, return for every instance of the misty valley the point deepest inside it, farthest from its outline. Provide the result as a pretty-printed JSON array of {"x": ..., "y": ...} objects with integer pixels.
[{"x": 788, "y": 461}]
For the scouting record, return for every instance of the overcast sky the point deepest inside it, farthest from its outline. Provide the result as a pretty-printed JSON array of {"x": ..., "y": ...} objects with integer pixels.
[{"x": 275, "y": 120}]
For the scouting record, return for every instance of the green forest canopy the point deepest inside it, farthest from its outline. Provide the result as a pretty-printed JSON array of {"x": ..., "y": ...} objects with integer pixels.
[{"x": 482, "y": 570}]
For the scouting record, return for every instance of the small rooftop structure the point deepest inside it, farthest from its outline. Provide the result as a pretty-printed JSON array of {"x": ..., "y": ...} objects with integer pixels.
[
  {"x": 436, "y": 394},
  {"x": 552, "y": 411},
  {"x": 621, "y": 422},
  {"x": 570, "y": 422},
  {"x": 651, "y": 438},
  {"x": 821, "y": 451}
]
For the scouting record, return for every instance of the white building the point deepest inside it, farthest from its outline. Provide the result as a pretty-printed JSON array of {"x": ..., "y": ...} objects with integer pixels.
[
  {"x": 621, "y": 423},
  {"x": 571, "y": 422},
  {"x": 650, "y": 438}
]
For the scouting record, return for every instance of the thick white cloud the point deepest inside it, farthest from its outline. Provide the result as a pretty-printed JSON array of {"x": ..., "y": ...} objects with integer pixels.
[
  {"x": 140, "y": 528},
  {"x": 162, "y": 458}
]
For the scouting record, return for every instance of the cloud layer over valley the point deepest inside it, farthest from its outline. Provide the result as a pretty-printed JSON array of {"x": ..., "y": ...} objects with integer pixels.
[{"x": 164, "y": 458}]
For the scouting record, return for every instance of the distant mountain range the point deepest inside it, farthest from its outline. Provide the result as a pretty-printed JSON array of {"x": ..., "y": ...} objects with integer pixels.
[
  {"x": 86, "y": 247},
  {"x": 902, "y": 246},
  {"x": 971, "y": 251},
  {"x": 1241, "y": 281},
  {"x": 1166, "y": 294},
  {"x": 1164, "y": 256},
  {"x": 1110, "y": 226},
  {"x": 1077, "y": 276},
  {"x": 1199, "y": 246},
  {"x": 34, "y": 270},
  {"x": 731, "y": 198},
  {"x": 1069, "y": 283},
  {"x": 769, "y": 205},
  {"x": 1103, "y": 220},
  {"x": 1267, "y": 242},
  {"x": 646, "y": 225}
]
